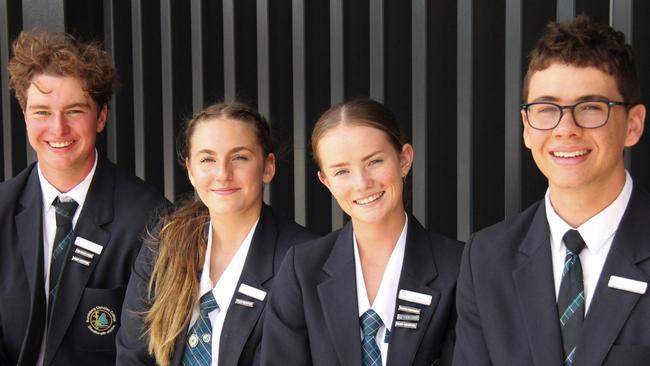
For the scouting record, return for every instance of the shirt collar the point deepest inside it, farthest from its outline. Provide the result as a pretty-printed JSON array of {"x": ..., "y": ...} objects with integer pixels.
[
  {"x": 78, "y": 192},
  {"x": 598, "y": 229},
  {"x": 384, "y": 303},
  {"x": 224, "y": 289}
]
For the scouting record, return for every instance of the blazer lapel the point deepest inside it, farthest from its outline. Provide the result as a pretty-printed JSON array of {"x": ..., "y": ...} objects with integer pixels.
[
  {"x": 418, "y": 271},
  {"x": 97, "y": 211},
  {"x": 30, "y": 242},
  {"x": 610, "y": 308},
  {"x": 338, "y": 297},
  {"x": 258, "y": 269},
  {"x": 536, "y": 293}
]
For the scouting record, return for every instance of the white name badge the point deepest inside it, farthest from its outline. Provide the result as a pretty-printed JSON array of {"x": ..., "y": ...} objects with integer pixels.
[
  {"x": 416, "y": 297},
  {"x": 252, "y": 292},
  {"x": 627, "y": 284},
  {"x": 88, "y": 245}
]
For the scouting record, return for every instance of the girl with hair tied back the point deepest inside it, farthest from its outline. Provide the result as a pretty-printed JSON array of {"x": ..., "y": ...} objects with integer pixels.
[
  {"x": 199, "y": 286},
  {"x": 379, "y": 291}
]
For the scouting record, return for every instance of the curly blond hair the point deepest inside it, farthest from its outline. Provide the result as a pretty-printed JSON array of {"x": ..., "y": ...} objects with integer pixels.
[{"x": 38, "y": 52}]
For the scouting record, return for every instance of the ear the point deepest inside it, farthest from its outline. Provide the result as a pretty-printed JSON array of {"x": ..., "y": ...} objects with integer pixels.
[
  {"x": 269, "y": 168},
  {"x": 635, "y": 124},
  {"x": 323, "y": 179},
  {"x": 101, "y": 118},
  {"x": 188, "y": 167},
  {"x": 526, "y": 128},
  {"x": 406, "y": 159}
]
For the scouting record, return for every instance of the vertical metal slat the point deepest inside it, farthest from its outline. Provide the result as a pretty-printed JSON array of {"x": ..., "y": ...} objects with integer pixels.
[
  {"x": 229, "y": 62},
  {"x": 167, "y": 96},
  {"x": 196, "y": 25},
  {"x": 263, "y": 77},
  {"x": 109, "y": 44},
  {"x": 138, "y": 89},
  {"x": 464, "y": 115},
  {"x": 336, "y": 81},
  {"x": 299, "y": 129},
  {"x": 419, "y": 107},
  {"x": 377, "y": 50},
  {"x": 512, "y": 158}
]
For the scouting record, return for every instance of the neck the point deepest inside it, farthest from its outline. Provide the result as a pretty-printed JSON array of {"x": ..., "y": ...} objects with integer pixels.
[
  {"x": 577, "y": 205},
  {"x": 64, "y": 181},
  {"x": 379, "y": 238},
  {"x": 228, "y": 231}
]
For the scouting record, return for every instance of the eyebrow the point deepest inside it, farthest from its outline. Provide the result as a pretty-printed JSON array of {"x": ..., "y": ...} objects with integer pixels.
[
  {"x": 338, "y": 165},
  {"x": 550, "y": 98},
  {"x": 70, "y": 106},
  {"x": 231, "y": 151}
]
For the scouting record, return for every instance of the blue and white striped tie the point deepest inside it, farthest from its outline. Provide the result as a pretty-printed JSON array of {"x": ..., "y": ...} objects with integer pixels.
[
  {"x": 198, "y": 346},
  {"x": 571, "y": 299},
  {"x": 370, "y": 324}
]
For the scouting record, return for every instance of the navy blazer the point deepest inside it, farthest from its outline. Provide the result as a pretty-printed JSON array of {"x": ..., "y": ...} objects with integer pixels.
[
  {"x": 507, "y": 309},
  {"x": 114, "y": 213},
  {"x": 313, "y": 314},
  {"x": 242, "y": 330}
]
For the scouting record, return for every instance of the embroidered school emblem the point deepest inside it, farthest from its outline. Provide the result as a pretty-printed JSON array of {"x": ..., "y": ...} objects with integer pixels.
[{"x": 100, "y": 320}]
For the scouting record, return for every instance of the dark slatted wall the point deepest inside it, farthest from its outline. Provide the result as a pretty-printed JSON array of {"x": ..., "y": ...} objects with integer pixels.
[{"x": 451, "y": 72}]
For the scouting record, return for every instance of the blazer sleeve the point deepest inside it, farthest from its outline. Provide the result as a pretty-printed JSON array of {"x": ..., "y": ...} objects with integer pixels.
[
  {"x": 130, "y": 340},
  {"x": 285, "y": 340},
  {"x": 3, "y": 357},
  {"x": 470, "y": 348}
]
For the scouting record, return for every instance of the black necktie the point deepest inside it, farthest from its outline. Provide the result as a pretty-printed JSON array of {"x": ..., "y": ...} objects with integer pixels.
[
  {"x": 62, "y": 239},
  {"x": 571, "y": 300}
]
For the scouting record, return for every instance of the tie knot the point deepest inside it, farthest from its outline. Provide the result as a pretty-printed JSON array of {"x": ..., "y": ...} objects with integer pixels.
[
  {"x": 64, "y": 211},
  {"x": 208, "y": 303},
  {"x": 370, "y": 323},
  {"x": 574, "y": 241}
]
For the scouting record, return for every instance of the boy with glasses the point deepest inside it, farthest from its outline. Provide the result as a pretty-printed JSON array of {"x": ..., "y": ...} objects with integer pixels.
[{"x": 564, "y": 282}]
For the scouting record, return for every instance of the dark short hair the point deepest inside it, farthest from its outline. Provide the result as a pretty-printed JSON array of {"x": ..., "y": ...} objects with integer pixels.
[
  {"x": 585, "y": 43},
  {"x": 60, "y": 54}
]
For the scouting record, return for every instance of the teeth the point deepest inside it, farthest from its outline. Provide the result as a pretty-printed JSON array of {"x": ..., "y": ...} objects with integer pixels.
[
  {"x": 571, "y": 154},
  {"x": 60, "y": 144},
  {"x": 369, "y": 199}
]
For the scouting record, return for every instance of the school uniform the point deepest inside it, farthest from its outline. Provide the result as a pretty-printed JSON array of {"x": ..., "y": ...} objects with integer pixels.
[
  {"x": 313, "y": 312},
  {"x": 110, "y": 222},
  {"x": 509, "y": 282},
  {"x": 237, "y": 326}
]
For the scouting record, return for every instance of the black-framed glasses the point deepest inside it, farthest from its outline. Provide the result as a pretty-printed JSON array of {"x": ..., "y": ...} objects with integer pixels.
[{"x": 587, "y": 114}]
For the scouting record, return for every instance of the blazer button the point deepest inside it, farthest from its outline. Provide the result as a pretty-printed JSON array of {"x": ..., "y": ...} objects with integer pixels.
[{"x": 435, "y": 362}]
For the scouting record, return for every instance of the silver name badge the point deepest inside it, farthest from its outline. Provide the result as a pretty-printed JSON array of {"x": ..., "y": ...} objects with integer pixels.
[
  {"x": 408, "y": 317},
  {"x": 408, "y": 309},
  {"x": 408, "y": 325},
  {"x": 246, "y": 303}
]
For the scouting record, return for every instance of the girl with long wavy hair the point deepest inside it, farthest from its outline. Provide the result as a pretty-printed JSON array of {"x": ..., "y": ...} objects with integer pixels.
[{"x": 199, "y": 286}]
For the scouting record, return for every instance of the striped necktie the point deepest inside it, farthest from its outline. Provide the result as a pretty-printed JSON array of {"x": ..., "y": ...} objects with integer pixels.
[
  {"x": 571, "y": 300},
  {"x": 370, "y": 324},
  {"x": 64, "y": 212},
  {"x": 198, "y": 346}
]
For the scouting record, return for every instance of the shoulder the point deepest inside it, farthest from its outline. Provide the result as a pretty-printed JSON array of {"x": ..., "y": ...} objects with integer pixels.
[
  {"x": 11, "y": 189},
  {"x": 502, "y": 240},
  {"x": 314, "y": 253},
  {"x": 131, "y": 192}
]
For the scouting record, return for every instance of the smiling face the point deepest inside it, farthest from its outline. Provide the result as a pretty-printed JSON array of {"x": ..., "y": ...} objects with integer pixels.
[
  {"x": 228, "y": 168},
  {"x": 364, "y": 172},
  {"x": 572, "y": 157},
  {"x": 62, "y": 123}
]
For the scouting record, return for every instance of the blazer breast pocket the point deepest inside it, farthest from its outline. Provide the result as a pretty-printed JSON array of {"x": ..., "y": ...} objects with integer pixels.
[
  {"x": 624, "y": 355},
  {"x": 96, "y": 321}
]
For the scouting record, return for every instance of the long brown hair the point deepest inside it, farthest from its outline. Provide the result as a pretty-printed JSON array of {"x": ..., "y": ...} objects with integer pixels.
[{"x": 181, "y": 241}]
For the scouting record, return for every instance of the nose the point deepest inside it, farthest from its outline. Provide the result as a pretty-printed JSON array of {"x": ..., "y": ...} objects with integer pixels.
[
  {"x": 567, "y": 125},
  {"x": 224, "y": 170},
  {"x": 59, "y": 124},
  {"x": 364, "y": 179}
]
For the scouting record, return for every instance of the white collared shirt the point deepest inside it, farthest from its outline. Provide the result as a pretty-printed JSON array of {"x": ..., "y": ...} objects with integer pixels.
[
  {"x": 598, "y": 233},
  {"x": 223, "y": 290},
  {"x": 49, "y": 193},
  {"x": 384, "y": 304}
]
